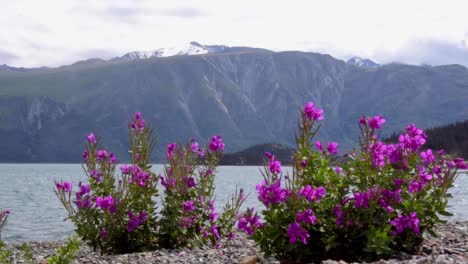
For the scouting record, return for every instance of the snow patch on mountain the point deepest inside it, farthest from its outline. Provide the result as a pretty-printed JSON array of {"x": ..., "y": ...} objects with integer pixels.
[
  {"x": 363, "y": 62},
  {"x": 194, "y": 48}
]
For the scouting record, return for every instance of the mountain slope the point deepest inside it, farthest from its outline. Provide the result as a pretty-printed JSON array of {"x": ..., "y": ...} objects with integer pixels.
[{"x": 249, "y": 97}]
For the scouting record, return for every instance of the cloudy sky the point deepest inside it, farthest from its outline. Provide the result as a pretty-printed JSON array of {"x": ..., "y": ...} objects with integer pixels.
[{"x": 52, "y": 33}]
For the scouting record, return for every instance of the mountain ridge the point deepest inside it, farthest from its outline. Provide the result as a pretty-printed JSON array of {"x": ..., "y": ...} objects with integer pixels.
[{"x": 247, "y": 97}]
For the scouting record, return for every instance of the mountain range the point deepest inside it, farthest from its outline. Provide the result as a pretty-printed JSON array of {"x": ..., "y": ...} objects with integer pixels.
[{"x": 248, "y": 95}]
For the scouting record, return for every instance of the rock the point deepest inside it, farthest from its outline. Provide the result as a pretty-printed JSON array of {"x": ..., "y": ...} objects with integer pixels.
[{"x": 249, "y": 260}]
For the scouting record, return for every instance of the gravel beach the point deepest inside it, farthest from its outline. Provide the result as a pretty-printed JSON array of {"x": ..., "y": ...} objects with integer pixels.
[{"x": 450, "y": 247}]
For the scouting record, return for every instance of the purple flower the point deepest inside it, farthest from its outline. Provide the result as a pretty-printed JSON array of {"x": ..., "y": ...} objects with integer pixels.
[
  {"x": 427, "y": 156},
  {"x": 296, "y": 232},
  {"x": 96, "y": 175},
  {"x": 194, "y": 147},
  {"x": 112, "y": 158},
  {"x": 304, "y": 163},
  {"x": 92, "y": 139},
  {"x": 213, "y": 216},
  {"x": 361, "y": 200},
  {"x": 415, "y": 186},
  {"x": 66, "y": 186},
  {"x": 312, "y": 194},
  {"x": 398, "y": 182},
  {"x": 101, "y": 155},
  {"x": 125, "y": 169},
  {"x": 424, "y": 175},
  {"x": 339, "y": 170},
  {"x": 274, "y": 165},
  {"x": 106, "y": 203},
  {"x": 83, "y": 199},
  {"x": 104, "y": 233},
  {"x": 190, "y": 182},
  {"x": 319, "y": 145},
  {"x": 413, "y": 139},
  {"x": 376, "y": 122},
  {"x": 170, "y": 150},
  {"x": 188, "y": 206},
  {"x": 362, "y": 120},
  {"x": 135, "y": 220},
  {"x": 249, "y": 222},
  {"x": 138, "y": 123},
  {"x": 271, "y": 194},
  {"x": 187, "y": 222},
  {"x": 460, "y": 163},
  {"x": 313, "y": 113},
  {"x": 216, "y": 144},
  {"x": 332, "y": 148},
  {"x": 406, "y": 222},
  {"x": 307, "y": 217},
  {"x": 379, "y": 153},
  {"x": 214, "y": 231},
  {"x": 85, "y": 155}
]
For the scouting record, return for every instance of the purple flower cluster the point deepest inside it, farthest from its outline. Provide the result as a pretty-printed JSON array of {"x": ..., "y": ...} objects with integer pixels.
[
  {"x": 83, "y": 198},
  {"x": 92, "y": 139},
  {"x": 65, "y": 186},
  {"x": 307, "y": 217},
  {"x": 389, "y": 198},
  {"x": 136, "y": 220},
  {"x": 138, "y": 175},
  {"x": 312, "y": 194},
  {"x": 376, "y": 122},
  {"x": 272, "y": 194},
  {"x": 106, "y": 203},
  {"x": 249, "y": 222},
  {"x": 138, "y": 123},
  {"x": 195, "y": 148},
  {"x": 332, "y": 148},
  {"x": 413, "y": 139},
  {"x": 406, "y": 222},
  {"x": 213, "y": 215},
  {"x": 459, "y": 163},
  {"x": 312, "y": 112},
  {"x": 96, "y": 175},
  {"x": 104, "y": 234},
  {"x": 427, "y": 156},
  {"x": 216, "y": 144},
  {"x": 169, "y": 183},
  {"x": 102, "y": 155},
  {"x": 274, "y": 165},
  {"x": 297, "y": 232},
  {"x": 397, "y": 154},
  {"x": 170, "y": 150},
  {"x": 385, "y": 198},
  {"x": 188, "y": 206},
  {"x": 189, "y": 182}
]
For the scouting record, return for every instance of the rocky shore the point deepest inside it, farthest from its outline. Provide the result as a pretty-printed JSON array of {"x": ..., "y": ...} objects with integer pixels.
[{"x": 450, "y": 247}]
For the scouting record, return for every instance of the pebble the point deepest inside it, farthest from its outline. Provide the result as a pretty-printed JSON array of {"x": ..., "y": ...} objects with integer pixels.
[{"x": 451, "y": 246}]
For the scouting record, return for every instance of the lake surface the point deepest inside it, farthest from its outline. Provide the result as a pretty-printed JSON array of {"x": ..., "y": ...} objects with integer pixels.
[{"x": 36, "y": 213}]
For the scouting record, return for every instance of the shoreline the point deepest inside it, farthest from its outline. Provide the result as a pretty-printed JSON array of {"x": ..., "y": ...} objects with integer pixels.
[{"x": 450, "y": 247}]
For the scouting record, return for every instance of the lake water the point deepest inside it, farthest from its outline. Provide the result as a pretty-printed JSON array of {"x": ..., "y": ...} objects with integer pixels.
[{"x": 36, "y": 214}]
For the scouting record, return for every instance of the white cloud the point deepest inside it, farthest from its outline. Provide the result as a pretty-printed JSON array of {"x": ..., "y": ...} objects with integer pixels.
[{"x": 56, "y": 32}]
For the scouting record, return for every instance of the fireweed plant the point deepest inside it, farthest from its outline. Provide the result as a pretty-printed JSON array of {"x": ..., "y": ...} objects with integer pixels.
[
  {"x": 189, "y": 201},
  {"x": 382, "y": 200},
  {"x": 119, "y": 214}
]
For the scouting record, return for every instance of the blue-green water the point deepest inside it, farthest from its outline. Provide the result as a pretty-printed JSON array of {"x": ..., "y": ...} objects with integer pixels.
[{"x": 36, "y": 214}]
